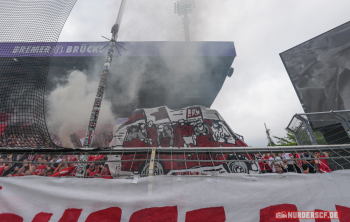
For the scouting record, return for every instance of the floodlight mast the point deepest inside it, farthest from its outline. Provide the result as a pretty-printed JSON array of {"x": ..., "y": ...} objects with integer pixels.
[
  {"x": 271, "y": 143},
  {"x": 81, "y": 168},
  {"x": 185, "y": 7}
]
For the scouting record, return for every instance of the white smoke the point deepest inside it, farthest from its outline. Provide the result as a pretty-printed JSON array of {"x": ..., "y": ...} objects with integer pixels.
[
  {"x": 70, "y": 107},
  {"x": 128, "y": 73}
]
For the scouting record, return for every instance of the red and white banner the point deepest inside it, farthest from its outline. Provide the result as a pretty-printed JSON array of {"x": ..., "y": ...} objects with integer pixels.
[
  {"x": 192, "y": 126},
  {"x": 229, "y": 197}
]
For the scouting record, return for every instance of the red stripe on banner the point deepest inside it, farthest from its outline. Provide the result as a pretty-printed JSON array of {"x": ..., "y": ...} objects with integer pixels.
[
  {"x": 7, "y": 217},
  {"x": 155, "y": 214},
  {"x": 112, "y": 214},
  {"x": 2, "y": 128},
  {"x": 42, "y": 217},
  {"x": 268, "y": 214},
  {"x": 321, "y": 220},
  {"x": 344, "y": 213},
  {"x": 240, "y": 143},
  {"x": 71, "y": 215},
  {"x": 212, "y": 214}
]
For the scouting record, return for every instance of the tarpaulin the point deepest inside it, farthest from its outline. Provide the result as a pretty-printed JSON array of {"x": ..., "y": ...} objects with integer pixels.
[{"x": 229, "y": 197}]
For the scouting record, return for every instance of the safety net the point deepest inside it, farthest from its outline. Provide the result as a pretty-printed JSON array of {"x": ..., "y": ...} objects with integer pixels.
[{"x": 29, "y": 32}]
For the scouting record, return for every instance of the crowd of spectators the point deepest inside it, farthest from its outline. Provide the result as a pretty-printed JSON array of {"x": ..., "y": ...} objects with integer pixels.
[
  {"x": 22, "y": 137},
  {"x": 293, "y": 162},
  {"x": 12, "y": 165},
  {"x": 65, "y": 165},
  {"x": 16, "y": 165}
]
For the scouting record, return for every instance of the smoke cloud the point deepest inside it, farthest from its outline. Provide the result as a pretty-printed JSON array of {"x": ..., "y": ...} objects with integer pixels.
[
  {"x": 70, "y": 104},
  {"x": 124, "y": 81},
  {"x": 145, "y": 82}
]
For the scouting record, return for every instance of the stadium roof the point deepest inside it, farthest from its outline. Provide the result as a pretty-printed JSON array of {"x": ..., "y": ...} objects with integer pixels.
[{"x": 175, "y": 74}]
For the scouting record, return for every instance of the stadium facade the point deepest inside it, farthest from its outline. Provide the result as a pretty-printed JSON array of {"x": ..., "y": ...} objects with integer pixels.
[{"x": 319, "y": 70}]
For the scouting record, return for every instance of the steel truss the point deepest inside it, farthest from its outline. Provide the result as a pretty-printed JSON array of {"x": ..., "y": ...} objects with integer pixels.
[{"x": 334, "y": 126}]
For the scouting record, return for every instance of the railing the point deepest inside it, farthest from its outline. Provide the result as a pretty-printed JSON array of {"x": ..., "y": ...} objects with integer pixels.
[
  {"x": 141, "y": 162},
  {"x": 321, "y": 128}
]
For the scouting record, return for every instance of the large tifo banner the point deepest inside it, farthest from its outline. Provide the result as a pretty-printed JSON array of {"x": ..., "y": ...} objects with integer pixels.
[
  {"x": 233, "y": 197},
  {"x": 192, "y": 126}
]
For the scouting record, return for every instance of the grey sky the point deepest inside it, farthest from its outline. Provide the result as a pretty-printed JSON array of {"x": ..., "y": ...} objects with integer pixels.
[{"x": 259, "y": 90}]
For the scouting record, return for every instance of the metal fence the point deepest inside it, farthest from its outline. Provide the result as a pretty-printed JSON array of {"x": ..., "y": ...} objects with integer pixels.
[
  {"x": 321, "y": 128},
  {"x": 140, "y": 162}
]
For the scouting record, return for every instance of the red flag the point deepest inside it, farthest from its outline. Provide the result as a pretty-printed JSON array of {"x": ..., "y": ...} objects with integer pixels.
[
  {"x": 65, "y": 172},
  {"x": 161, "y": 114}
]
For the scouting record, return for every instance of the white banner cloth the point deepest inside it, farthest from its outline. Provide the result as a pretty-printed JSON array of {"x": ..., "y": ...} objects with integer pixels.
[{"x": 241, "y": 197}]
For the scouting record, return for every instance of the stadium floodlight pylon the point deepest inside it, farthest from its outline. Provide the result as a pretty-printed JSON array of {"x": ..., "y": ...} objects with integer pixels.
[
  {"x": 271, "y": 143},
  {"x": 100, "y": 91},
  {"x": 185, "y": 7}
]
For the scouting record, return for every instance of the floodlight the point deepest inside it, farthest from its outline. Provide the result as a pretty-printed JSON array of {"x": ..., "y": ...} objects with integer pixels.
[{"x": 183, "y": 8}]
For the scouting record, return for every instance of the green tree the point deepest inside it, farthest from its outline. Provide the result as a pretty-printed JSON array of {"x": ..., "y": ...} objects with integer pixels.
[
  {"x": 288, "y": 140},
  {"x": 320, "y": 138}
]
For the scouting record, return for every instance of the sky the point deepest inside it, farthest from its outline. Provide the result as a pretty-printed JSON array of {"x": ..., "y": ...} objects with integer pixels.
[{"x": 259, "y": 90}]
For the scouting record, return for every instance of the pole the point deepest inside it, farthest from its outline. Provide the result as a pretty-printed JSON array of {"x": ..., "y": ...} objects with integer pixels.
[
  {"x": 186, "y": 22},
  {"x": 100, "y": 91},
  {"x": 185, "y": 7},
  {"x": 307, "y": 128},
  {"x": 271, "y": 143}
]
